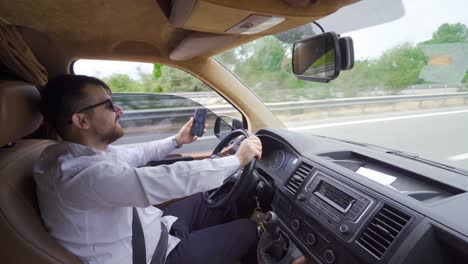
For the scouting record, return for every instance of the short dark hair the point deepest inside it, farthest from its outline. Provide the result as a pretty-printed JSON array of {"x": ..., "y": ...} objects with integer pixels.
[{"x": 61, "y": 97}]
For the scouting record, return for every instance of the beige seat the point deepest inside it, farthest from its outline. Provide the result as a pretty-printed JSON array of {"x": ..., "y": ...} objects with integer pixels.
[{"x": 23, "y": 238}]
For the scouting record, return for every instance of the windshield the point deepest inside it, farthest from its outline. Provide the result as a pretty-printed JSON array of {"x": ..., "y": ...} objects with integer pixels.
[{"x": 408, "y": 89}]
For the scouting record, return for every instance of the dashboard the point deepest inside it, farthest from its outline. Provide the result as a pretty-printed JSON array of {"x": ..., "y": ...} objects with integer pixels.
[{"x": 339, "y": 202}]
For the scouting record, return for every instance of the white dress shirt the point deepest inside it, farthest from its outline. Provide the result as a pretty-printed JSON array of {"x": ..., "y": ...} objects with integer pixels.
[{"x": 86, "y": 195}]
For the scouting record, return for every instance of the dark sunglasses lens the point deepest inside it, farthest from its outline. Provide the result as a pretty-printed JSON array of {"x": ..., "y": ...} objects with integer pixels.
[{"x": 110, "y": 105}]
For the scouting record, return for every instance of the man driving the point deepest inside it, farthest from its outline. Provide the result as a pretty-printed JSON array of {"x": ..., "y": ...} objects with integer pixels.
[{"x": 97, "y": 200}]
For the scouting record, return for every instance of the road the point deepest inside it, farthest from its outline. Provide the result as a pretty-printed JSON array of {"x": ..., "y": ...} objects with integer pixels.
[{"x": 435, "y": 135}]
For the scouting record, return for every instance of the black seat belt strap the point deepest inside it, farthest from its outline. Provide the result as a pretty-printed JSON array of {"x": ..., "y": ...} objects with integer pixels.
[
  {"x": 138, "y": 243},
  {"x": 138, "y": 240},
  {"x": 159, "y": 256}
]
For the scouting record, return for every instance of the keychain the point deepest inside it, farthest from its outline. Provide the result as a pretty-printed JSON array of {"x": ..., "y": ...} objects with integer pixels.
[{"x": 259, "y": 215}]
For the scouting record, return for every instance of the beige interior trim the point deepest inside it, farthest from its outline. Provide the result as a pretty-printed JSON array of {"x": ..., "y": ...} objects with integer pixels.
[
  {"x": 199, "y": 43},
  {"x": 98, "y": 26},
  {"x": 19, "y": 114},
  {"x": 46, "y": 51},
  {"x": 181, "y": 11},
  {"x": 300, "y": 3}
]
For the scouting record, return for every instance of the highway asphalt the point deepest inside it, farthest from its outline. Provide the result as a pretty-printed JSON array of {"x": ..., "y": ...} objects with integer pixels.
[{"x": 441, "y": 136}]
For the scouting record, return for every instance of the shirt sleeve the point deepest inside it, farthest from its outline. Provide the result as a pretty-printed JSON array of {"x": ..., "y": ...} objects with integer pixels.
[
  {"x": 140, "y": 154},
  {"x": 106, "y": 184}
]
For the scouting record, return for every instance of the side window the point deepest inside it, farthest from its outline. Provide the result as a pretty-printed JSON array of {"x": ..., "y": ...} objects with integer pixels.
[{"x": 158, "y": 100}]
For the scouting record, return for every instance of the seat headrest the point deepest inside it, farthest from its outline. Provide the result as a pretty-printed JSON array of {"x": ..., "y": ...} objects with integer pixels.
[{"x": 19, "y": 110}]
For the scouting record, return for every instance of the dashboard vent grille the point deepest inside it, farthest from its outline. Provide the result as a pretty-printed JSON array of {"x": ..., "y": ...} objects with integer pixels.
[
  {"x": 383, "y": 230},
  {"x": 298, "y": 177}
]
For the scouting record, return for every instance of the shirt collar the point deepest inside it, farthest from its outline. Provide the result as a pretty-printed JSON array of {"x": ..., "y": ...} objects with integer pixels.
[{"x": 82, "y": 149}]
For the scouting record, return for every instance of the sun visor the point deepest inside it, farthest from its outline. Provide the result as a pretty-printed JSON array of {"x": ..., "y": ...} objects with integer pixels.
[{"x": 215, "y": 24}]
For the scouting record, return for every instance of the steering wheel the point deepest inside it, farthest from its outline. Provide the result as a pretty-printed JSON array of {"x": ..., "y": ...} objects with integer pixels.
[{"x": 237, "y": 183}]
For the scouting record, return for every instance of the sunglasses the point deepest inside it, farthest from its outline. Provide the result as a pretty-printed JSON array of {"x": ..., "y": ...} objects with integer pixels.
[{"x": 108, "y": 102}]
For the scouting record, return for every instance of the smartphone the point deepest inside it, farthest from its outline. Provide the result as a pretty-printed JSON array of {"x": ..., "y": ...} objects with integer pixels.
[{"x": 198, "y": 122}]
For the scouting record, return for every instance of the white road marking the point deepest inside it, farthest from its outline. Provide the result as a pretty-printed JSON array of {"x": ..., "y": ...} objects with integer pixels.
[
  {"x": 459, "y": 157},
  {"x": 377, "y": 120}
]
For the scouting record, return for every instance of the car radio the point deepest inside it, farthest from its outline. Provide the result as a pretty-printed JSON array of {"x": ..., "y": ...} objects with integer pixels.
[{"x": 340, "y": 206}]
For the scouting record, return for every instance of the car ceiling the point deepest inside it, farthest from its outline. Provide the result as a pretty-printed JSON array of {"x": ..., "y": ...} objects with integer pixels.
[{"x": 141, "y": 30}]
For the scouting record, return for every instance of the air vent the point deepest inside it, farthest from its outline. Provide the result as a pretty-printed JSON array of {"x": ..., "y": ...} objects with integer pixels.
[
  {"x": 298, "y": 177},
  {"x": 382, "y": 230}
]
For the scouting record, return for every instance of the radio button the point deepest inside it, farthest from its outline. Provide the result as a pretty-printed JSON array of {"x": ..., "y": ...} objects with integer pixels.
[
  {"x": 296, "y": 224},
  {"x": 311, "y": 239},
  {"x": 329, "y": 256},
  {"x": 344, "y": 229}
]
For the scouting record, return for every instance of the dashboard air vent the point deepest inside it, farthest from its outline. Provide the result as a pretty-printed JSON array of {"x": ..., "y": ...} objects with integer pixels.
[
  {"x": 298, "y": 177},
  {"x": 382, "y": 230}
]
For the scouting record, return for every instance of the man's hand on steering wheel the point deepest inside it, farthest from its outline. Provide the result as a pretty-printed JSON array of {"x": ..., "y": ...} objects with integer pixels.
[
  {"x": 236, "y": 184},
  {"x": 250, "y": 147}
]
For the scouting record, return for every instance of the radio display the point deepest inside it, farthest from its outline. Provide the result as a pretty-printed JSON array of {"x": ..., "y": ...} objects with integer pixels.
[{"x": 334, "y": 196}]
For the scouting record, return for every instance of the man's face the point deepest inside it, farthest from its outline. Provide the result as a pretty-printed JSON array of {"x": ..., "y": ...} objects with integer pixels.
[{"x": 103, "y": 118}]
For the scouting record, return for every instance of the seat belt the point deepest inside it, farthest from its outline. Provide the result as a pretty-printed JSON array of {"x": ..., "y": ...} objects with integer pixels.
[
  {"x": 159, "y": 256},
  {"x": 138, "y": 240},
  {"x": 138, "y": 243}
]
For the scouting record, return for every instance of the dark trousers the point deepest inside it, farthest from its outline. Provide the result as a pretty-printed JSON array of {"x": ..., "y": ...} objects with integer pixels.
[{"x": 209, "y": 235}]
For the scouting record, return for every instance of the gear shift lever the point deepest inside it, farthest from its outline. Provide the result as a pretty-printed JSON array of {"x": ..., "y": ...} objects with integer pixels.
[
  {"x": 278, "y": 246},
  {"x": 275, "y": 246},
  {"x": 271, "y": 223}
]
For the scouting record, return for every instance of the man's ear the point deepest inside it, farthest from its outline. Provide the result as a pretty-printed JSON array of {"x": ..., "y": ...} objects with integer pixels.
[{"x": 79, "y": 120}]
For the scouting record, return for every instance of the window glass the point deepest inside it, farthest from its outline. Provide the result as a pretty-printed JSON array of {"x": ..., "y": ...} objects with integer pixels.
[
  {"x": 157, "y": 100},
  {"x": 406, "y": 92}
]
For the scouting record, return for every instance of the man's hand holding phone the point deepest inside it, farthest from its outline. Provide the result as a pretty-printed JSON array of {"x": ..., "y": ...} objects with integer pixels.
[{"x": 185, "y": 136}]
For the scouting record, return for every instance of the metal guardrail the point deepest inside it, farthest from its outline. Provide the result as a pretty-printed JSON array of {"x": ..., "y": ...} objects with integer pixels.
[
  {"x": 274, "y": 107},
  {"x": 364, "y": 100}
]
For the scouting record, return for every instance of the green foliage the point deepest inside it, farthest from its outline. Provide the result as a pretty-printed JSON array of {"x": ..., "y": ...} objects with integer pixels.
[
  {"x": 173, "y": 80},
  {"x": 449, "y": 33},
  {"x": 361, "y": 78},
  {"x": 264, "y": 65},
  {"x": 396, "y": 69},
  {"x": 120, "y": 82},
  {"x": 164, "y": 79},
  {"x": 465, "y": 78},
  {"x": 262, "y": 61},
  {"x": 400, "y": 66},
  {"x": 157, "y": 71}
]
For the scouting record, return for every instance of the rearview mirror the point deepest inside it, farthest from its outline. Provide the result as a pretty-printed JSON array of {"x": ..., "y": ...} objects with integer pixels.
[{"x": 320, "y": 58}]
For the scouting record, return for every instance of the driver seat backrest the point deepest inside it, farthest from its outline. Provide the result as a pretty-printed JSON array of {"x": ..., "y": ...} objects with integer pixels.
[{"x": 23, "y": 237}]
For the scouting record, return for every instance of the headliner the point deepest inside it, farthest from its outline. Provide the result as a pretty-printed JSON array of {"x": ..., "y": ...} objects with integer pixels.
[{"x": 139, "y": 30}]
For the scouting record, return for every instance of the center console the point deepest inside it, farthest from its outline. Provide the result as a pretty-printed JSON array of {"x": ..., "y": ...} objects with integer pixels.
[
  {"x": 340, "y": 207},
  {"x": 338, "y": 202},
  {"x": 325, "y": 211}
]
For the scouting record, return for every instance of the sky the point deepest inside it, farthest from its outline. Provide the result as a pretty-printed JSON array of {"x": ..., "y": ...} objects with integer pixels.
[{"x": 420, "y": 19}]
